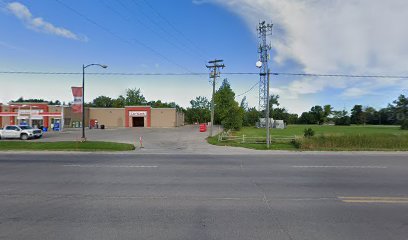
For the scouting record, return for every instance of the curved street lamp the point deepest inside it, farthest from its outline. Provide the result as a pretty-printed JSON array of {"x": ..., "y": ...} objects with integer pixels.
[{"x": 83, "y": 95}]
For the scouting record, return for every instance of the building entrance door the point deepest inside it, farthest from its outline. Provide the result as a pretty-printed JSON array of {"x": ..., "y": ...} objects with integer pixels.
[
  {"x": 138, "y": 121},
  {"x": 36, "y": 123}
]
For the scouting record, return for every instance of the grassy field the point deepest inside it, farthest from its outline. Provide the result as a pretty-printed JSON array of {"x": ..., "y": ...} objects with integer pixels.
[
  {"x": 88, "y": 146},
  {"x": 341, "y": 138}
]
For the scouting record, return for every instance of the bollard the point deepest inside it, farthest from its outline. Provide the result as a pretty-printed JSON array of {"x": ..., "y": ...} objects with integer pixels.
[{"x": 141, "y": 141}]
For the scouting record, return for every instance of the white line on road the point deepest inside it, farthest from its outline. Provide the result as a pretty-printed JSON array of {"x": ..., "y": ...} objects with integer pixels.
[
  {"x": 111, "y": 166},
  {"x": 339, "y": 166}
]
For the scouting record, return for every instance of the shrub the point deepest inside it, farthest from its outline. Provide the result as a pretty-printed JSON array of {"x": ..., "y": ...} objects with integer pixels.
[
  {"x": 404, "y": 125},
  {"x": 309, "y": 132}
]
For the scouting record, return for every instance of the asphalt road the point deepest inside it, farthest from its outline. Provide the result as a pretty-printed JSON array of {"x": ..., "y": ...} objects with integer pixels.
[{"x": 130, "y": 196}]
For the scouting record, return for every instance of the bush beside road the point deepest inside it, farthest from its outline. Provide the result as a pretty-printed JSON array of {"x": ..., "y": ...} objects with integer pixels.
[{"x": 89, "y": 146}]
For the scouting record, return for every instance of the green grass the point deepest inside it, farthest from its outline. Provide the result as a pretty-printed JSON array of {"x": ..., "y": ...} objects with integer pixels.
[
  {"x": 89, "y": 146},
  {"x": 338, "y": 138},
  {"x": 275, "y": 146},
  {"x": 376, "y": 142},
  {"x": 297, "y": 130}
]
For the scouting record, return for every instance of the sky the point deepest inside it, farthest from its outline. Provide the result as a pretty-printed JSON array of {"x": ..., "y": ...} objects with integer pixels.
[{"x": 364, "y": 37}]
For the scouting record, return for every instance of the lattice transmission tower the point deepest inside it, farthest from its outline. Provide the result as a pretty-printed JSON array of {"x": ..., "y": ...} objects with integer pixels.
[{"x": 264, "y": 30}]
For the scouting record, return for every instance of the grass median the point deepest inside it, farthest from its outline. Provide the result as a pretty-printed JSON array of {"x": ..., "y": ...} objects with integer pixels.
[
  {"x": 327, "y": 138},
  {"x": 88, "y": 146}
]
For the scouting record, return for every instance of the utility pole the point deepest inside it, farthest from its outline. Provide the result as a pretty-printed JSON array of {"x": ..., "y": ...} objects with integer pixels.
[
  {"x": 264, "y": 30},
  {"x": 215, "y": 72}
]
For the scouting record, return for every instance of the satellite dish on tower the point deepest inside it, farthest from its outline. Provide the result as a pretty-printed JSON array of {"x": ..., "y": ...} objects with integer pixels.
[{"x": 259, "y": 64}]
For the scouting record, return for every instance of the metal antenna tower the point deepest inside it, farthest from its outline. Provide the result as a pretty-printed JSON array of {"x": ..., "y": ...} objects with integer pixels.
[{"x": 263, "y": 30}]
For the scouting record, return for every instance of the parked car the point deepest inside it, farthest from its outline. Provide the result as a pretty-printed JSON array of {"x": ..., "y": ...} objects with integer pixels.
[{"x": 21, "y": 132}]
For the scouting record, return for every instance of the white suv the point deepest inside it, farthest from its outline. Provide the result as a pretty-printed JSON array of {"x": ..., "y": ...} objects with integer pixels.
[{"x": 21, "y": 132}]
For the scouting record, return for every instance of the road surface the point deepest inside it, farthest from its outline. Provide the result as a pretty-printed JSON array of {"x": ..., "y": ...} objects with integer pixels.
[{"x": 161, "y": 196}]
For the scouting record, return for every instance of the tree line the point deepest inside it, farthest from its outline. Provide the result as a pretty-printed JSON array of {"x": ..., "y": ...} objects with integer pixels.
[
  {"x": 233, "y": 115},
  {"x": 132, "y": 97},
  {"x": 394, "y": 114}
]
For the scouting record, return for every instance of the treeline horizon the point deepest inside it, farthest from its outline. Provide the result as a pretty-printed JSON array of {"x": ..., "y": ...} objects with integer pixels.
[{"x": 233, "y": 115}]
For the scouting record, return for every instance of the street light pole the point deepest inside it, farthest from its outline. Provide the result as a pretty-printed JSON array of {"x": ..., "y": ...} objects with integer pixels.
[
  {"x": 83, "y": 103},
  {"x": 83, "y": 95}
]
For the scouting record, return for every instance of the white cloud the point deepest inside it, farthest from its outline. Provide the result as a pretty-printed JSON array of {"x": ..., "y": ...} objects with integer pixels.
[
  {"x": 334, "y": 36},
  {"x": 38, "y": 24}
]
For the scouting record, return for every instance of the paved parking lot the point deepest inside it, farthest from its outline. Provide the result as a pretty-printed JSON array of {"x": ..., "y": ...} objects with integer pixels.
[{"x": 186, "y": 139}]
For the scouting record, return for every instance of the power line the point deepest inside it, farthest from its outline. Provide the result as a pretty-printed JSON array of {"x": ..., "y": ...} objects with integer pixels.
[
  {"x": 337, "y": 75},
  {"x": 144, "y": 25},
  {"x": 252, "y": 88},
  {"x": 104, "y": 73},
  {"x": 174, "y": 27},
  {"x": 119, "y": 37},
  {"x": 159, "y": 26},
  {"x": 202, "y": 73}
]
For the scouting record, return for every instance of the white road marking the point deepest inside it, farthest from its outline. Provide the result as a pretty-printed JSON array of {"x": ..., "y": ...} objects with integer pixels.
[
  {"x": 339, "y": 166},
  {"x": 111, "y": 166},
  {"x": 402, "y": 200}
]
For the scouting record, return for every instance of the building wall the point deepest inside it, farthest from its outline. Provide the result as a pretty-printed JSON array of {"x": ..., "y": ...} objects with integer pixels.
[
  {"x": 164, "y": 117},
  {"x": 180, "y": 119},
  {"x": 70, "y": 117},
  {"x": 6, "y": 120},
  {"x": 110, "y": 117},
  {"x": 54, "y": 109}
]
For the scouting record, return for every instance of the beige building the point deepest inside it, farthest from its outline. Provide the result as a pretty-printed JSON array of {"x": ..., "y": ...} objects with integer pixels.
[{"x": 130, "y": 116}]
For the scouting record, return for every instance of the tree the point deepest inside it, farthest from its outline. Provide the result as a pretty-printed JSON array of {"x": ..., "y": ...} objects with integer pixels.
[
  {"x": 201, "y": 103},
  {"x": 371, "y": 116},
  {"x": 307, "y": 118},
  {"x": 227, "y": 110},
  {"x": 357, "y": 114},
  {"x": 33, "y": 100},
  {"x": 244, "y": 104},
  {"x": 119, "y": 102},
  {"x": 160, "y": 104},
  {"x": 273, "y": 101},
  {"x": 103, "y": 102},
  {"x": 279, "y": 114},
  {"x": 251, "y": 117},
  {"x": 404, "y": 125},
  {"x": 341, "y": 118},
  {"x": 56, "y": 103},
  {"x": 134, "y": 97},
  {"x": 400, "y": 109},
  {"x": 199, "y": 111},
  {"x": 318, "y": 114},
  {"x": 234, "y": 119},
  {"x": 328, "y": 109},
  {"x": 292, "y": 118}
]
